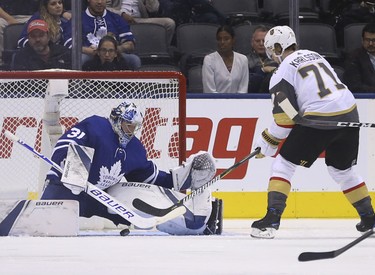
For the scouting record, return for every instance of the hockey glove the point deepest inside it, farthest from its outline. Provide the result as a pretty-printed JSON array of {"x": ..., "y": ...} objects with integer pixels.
[
  {"x": 198, "y": 169},
  {"x": 267, "y": 143}
]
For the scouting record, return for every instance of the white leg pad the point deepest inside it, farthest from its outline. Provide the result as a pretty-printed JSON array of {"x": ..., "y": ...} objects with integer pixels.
[
  {"x": 39, "y": 218},
  {"x": 193, "y": 222},
  {"x": 190, "y": 223}
]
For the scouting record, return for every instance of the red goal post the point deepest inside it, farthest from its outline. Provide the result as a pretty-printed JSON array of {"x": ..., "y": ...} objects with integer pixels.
[{"x": 39, "y": 106}]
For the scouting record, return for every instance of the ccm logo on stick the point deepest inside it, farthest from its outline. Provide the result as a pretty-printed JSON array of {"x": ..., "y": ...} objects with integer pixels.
[{"x": 355, "y": 124}]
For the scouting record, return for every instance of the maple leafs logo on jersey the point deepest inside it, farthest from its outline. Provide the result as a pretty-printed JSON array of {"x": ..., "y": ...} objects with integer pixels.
[
  {"x": 94, "y": 39},
  {"x": 110, "y": 177}
]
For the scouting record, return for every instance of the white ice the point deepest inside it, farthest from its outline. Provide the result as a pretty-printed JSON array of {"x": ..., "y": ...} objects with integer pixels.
[{"x": 234, "y": 252}]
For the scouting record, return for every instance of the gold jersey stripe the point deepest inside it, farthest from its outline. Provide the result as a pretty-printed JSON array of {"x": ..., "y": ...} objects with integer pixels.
[
  {"x": 331, "y": 114},
  {"x": 279, "y": 185},
  {"x": 357, "y": 193},
  {"x": 283, "y": 120}
]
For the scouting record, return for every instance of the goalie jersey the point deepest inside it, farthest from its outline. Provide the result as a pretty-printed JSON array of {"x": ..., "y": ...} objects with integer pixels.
[
  {"x": 110, "y": 161},
  {"x": 313, "y": 88}
]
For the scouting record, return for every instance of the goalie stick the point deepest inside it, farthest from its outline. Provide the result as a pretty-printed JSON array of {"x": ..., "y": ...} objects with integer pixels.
[
  {"x": 107, "y": 200},
  {"x": 147, "y": 208},
  {"x": 292, "y": 113},
  {"x": 312, "y": 256}
]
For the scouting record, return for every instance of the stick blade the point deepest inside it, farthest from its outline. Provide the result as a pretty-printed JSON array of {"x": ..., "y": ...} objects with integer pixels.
[
  {"x": 11, "y": 136},
  {"x": 171, "y": 215},
  {"x": 149, "y": 209},
  {"x": 312, "y": 256}
]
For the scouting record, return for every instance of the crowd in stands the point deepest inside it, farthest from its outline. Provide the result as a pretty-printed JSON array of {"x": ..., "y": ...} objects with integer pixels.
[{"x": 109, "y": 40}]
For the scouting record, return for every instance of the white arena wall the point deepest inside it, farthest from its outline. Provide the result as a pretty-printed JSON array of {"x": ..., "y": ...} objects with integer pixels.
[{"x": 227, "y": 128}]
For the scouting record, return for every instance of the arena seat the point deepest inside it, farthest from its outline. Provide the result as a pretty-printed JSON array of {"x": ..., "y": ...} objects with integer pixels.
[{"x": 11, "y": 36}]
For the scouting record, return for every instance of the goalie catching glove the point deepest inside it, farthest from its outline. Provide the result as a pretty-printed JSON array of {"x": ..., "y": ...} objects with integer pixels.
[{"x": 198, "y": 169}]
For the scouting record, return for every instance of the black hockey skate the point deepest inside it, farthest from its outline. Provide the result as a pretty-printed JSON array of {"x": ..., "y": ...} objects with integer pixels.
[
  {"x": 367, "y": 222},
  {"x": 215, "y": 222},
  {"x": 265, "y": 228}
]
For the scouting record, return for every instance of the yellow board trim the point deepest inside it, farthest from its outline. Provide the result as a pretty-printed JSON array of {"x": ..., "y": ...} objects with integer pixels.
[
  {"x": 32, "y": 196},
  {"x": 299, "y": 205}
]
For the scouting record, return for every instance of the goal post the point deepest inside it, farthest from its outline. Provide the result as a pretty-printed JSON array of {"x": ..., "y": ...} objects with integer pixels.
[{"x": 39, "y": 106}]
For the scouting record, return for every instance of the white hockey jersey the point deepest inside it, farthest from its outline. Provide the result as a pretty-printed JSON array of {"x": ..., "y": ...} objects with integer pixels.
[{"x": 314, "y": 89}]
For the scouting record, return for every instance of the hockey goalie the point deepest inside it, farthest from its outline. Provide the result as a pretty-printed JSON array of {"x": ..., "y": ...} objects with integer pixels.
[{"x": 117, "y": 155}]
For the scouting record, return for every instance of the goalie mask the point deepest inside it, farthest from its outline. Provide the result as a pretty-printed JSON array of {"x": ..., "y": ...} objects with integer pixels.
[
  {"x": 126, "y": 120},
  {"x": 282, "y": 35}
]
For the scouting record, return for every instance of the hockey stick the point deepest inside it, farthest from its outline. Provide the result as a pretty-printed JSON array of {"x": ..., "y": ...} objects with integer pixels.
[
  {"x": 292, "y": 113},
  {"x": 107, "y": 200},
  {"x": 312, "y": 256},
  {"x": 149, "y": 209}
]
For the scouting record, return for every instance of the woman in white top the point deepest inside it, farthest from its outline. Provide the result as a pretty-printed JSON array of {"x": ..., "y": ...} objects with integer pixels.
[{"x": 225, "y": 71}]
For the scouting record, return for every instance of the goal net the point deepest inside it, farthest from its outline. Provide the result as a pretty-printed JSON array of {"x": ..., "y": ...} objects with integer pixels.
[{"x": 39, "y": 106}]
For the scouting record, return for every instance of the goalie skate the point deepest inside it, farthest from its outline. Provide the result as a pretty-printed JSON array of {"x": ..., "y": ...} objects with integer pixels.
[{"x": 265, "y": 228}]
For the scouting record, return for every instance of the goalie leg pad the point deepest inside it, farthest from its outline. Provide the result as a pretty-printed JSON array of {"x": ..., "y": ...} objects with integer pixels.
[
  {"x": 39, "y": 218},
  {"x": 193, "y": 222},
  {"x": 196, "y": 171}
]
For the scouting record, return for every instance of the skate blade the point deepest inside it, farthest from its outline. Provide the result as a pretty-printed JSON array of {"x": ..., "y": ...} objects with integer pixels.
[{"x": 266, "y": 233}]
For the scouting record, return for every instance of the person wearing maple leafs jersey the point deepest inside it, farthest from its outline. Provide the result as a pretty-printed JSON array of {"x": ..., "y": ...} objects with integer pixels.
[{"x": 119, "y": 154}]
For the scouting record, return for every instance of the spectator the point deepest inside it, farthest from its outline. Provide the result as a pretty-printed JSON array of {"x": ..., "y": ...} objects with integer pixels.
[
  {"x": 355, "y": 12},
  {"x": 260, "y": 66},
  {"x": 359, "y": 72},
  {"x": 59, "y": 28},
  {"x": 15, "y": 11},
  {"x": 98, "y": 21},
  {"x": 106, "y": 58},
  {"x": 141, "y": 11},
  {"x": 41, "y": 53},
  {"x": 225, "y": 71}
]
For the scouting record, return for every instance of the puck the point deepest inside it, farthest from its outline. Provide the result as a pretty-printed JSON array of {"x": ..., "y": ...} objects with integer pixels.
[{"x": 124, "y": 232}]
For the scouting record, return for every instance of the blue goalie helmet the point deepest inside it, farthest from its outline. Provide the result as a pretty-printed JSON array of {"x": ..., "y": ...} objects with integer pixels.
[{"x": 126, "y": 120}]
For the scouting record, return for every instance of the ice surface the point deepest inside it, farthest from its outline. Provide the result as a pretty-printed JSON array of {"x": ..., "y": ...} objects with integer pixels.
[{"x": 152, "y": 252}]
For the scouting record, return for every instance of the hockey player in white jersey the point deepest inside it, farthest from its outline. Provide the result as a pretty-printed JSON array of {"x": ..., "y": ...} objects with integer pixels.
[
  {"x": 315, "y": 91},
  {"x": 119, "y": 154}
]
